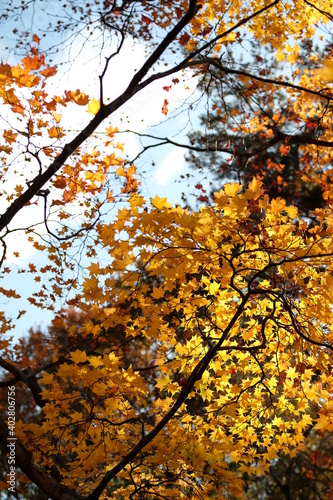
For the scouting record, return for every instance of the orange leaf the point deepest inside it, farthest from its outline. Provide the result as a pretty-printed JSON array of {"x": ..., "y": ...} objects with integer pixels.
[
  {"x": 110, "y": 131},
  {"x": 80, "y": 98},
  {"x": 110, "y": 197},
  {"x": 19, "y": 189},
  {"x": 9, "y": 136},
  {"x": 5, "y": 69},
  {"x": 32, "y": 63},
  {"x": 32, "y": 268},
  {"x": 36, "y": 39},
  {"x": 49, "y": 71},
  {"x": 165, "y": 107},
  {"x": 55, "y": 132},
  {"x": 284, "y": 150},
  {"x": 9, "y": 293},
  {"x": 57, "y": 202}
]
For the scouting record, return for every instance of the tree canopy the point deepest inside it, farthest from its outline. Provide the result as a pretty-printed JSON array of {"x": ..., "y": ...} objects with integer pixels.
[{"x": 190, "y": 349}]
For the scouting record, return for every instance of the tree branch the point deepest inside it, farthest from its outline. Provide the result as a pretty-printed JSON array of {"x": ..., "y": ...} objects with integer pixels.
[
  {"x": 187, "y": 62},
  {"x": 192, "y": 10},
  {"x": 216, "y": 62},
  {"x": 279, "y": 137},
  {"x": 27, "y": 377},
  {"x": 104, "y": 112},
  {"x": 323, "y": 12},
  {"x": 194, "y": 377},
  {"x": 24, "y": 460}
]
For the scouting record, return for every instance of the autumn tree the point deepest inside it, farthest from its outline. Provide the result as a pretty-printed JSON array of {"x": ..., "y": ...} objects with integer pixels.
[
  {"x": 228, "y": 147},
  {"x": 307, "y": 475},
  {"x": 203, "y": 340},
  {"x": 66, "y": 334},
  {"x": 282, "y": 171}
]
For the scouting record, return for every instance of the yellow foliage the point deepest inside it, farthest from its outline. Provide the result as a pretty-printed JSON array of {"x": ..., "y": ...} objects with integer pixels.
[
  {"x": 94, "y": 106},
  {"x": 326, "y": 73},
  {"x": 200, "y": 346}
]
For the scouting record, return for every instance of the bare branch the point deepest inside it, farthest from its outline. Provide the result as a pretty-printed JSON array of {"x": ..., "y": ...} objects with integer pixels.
[{"x": 279, "y": 137}]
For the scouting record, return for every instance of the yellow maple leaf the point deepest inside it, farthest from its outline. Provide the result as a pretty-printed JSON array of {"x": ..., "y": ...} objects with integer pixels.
[
  {"x": 277, "y": 421},
  {"x": 254, "y": 189},
  {"x": 96, "y": 361},
  {"x": 324, "y": 423},
  {"x": 282, "y": 438},
  {"x": 76, "y": 416},
  {"x": 56, "y": 117},
  {"x": 160, "y": 203},
  {"x": 277, "y": 205},
  {"x": 291, "y": 373},
  {"x": 47, "y": 378},
  {"x": 78, "y": 356},
  {"x": 136, "y": 200},
  {"x": 232, "y": 188},
  {"x": 157, "y": 293},
  {"x": 162, "y": 382},
  {"x": 94, "y": 106},
  {"x": 292, "y": 211},
  {"x": 326, "y": 73},
  {"x": 220, "y": 199},
  {"x": 213, "y": 287},
  {"x": 280, "y": 56},
  {"x": 206, "y": 393}
]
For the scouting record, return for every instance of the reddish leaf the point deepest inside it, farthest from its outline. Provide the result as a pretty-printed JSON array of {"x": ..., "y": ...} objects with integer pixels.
[
  {"x": 146, "y": 19},
  {"x": 56, "y": 203},
  {"x": 310, "y": 124},
  {"x": 184, "y": 39},
  {"x": 203, "y": 198},
  {"x": 179, "y": 12},
  {"x": 60, "y": 182}
]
